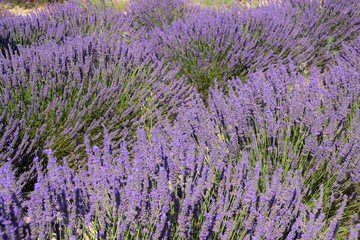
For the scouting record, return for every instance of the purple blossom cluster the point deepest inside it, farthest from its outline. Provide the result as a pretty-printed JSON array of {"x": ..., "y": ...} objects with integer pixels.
[{"x": 174, "y": 121}]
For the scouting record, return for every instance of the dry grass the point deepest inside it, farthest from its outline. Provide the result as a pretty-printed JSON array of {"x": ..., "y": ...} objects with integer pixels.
[
  {"x": 120, "y": 4},
  {"x": 215, "y": 2},
  {"x": 19, "y": 10}
]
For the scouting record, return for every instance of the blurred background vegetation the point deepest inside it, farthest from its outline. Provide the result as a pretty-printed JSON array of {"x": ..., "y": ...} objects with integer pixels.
[
  {"x": 25, "y": 6},
  {"x": 26, "y": 3}
]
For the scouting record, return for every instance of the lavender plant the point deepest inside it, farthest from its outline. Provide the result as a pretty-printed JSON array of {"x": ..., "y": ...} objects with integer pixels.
[{"x": 206, "y": 46}]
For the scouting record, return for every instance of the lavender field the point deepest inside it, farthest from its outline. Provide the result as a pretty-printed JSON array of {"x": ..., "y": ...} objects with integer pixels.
[{"x": 175, "y": 120}]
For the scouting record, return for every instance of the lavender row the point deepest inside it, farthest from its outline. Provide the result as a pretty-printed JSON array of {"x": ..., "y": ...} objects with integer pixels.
[
  {"x": 60, "y": 23},
  {"x": 224, "y": 43},
  {"x": 52, "y": 95},
  {"x": 278, "y": 155}
]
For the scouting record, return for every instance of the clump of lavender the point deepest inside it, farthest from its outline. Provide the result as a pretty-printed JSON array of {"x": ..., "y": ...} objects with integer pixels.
[
  {"x": 219, "y": 44},
  {"x": 306, "y": 32},
  {"x": 207, "y": 45}
]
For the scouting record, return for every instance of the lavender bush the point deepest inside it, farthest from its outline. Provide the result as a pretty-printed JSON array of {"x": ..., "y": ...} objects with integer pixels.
[
  {"x": 225, "y": 43},
  {"x": 103, "y": 137}
]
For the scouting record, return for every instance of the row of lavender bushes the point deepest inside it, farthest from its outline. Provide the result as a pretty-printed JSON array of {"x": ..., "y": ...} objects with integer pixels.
[{"x": 175, "y": 121}]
